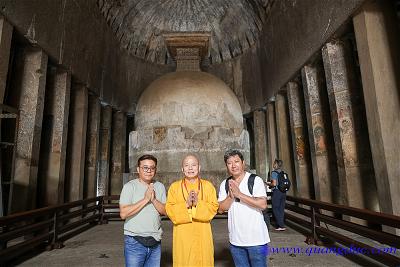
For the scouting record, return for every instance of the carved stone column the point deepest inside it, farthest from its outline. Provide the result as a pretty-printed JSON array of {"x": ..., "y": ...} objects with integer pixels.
[
  {"x": 284, "y": 139},
  {"x": 55, "y": 132},
  {"x": 323, "y": 159},
  {"x": 378, "y": 45},
  {"x": 300, "y": 144},
  {"x": 355, "y": 170},
  {"x": 75, "y": 168},
  {"x": 29, "y": 86},
  {"x": 105, "y": 145},
  {"x": 118, "y": 152}
]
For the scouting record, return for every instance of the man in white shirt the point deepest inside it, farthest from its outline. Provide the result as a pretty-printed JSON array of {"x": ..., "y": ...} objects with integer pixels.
[{"x": 248, "y": 233}]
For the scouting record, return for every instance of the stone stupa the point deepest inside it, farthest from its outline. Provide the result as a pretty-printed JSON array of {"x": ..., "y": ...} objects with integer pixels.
[{"x": 187, "y": 111}]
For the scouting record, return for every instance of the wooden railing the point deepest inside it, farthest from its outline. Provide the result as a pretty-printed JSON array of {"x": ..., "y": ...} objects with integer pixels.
[
  {"x": 110, "y": 209},
  {"x": 49, "y": 227},
  {"x": 332, "y": 214}
]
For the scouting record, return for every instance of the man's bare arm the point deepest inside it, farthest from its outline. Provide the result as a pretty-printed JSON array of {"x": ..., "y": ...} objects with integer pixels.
[
  {"x": 225, "y": 204},
  {"x": 131, "y": 209},
  {"x": 128, "y": 210},
  {"x": 255, "y": 202},
  {"x": 160, "y": 207}
]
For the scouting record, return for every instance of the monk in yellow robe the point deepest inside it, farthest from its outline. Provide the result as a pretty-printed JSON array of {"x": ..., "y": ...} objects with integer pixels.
[{"x": 191, "y": 204}]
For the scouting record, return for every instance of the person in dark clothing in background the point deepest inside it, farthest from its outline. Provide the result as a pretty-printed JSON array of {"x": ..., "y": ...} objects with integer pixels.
[{"x": 278, "y": 197}]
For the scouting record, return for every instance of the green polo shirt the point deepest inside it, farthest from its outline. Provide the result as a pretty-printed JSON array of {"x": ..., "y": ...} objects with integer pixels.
[{"x": 147, "y": 222}]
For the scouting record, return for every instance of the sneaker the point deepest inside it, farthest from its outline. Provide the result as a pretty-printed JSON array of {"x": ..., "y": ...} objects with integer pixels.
[{"x": 280, "y": 229}]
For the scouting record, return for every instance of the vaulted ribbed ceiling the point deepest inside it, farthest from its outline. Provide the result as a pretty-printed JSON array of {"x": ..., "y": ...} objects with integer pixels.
[{"x": 234, "y": 25}]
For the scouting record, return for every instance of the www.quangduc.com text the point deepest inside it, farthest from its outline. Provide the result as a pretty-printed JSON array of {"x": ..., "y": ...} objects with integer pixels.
[{"x": 339, "y": 251}]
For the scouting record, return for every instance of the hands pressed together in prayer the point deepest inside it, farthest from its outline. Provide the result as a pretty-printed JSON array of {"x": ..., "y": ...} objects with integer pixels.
[
  {"x": 192, "y": 199},
  {"x": 150, "y": 194},
  {"x": 234, "y": 191}
]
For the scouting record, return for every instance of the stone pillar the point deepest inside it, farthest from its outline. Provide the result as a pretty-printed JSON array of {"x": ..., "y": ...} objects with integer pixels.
[
  {"x": 5, "y": 44},
  {"x": 378, "y": 46},
  {"x": 55, "y": 131},
  {"x": 271, "y": 135},
  {"x": 260, "y": 138},
  {"x": 355, "y": 171},
  {"x": 75, "y": 169},
  {"x": 92, "y": 147},
  {"x": 323, "y": 159},
  {"x": 284, "y": 138},
  {"x": 30, "y": 83},
  {"x": 105, "y": 143},
  {"x": 118, "y": 152},
  {"x": 300, "y": 144}
]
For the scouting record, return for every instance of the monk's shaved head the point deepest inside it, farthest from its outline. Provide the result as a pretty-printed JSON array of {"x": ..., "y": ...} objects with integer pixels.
[
  {"x": 191, "y": 166},
  {"x": 192, "y": 156}
]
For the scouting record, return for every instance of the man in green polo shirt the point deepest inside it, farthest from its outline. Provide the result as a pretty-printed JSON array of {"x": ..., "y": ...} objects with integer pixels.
[{"x": 141, "y": 203}]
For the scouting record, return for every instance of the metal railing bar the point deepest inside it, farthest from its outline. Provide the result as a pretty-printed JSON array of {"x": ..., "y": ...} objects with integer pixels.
[
  {"x": 387, "y": 258},
  {"x": 18, "y": 232},
  {"x": 379, "y": 236},
  {"x": 44, "y": 211},
  {"x": 30, "y": 215},
  {"x": 77, "y": 203},
  {"x": 371, "y": 216},
  {"x": 20, "y": 248},
  {"x": 298, "y": 210},
  {"x": 109, "y": 215},
  {"x": 111, "y": 206},
  {"x": 70, "y": 226},
  {"x": 77, "y": 213},
  {"x": 298, "y": 220},
  {"x": 112, "y": 197}
]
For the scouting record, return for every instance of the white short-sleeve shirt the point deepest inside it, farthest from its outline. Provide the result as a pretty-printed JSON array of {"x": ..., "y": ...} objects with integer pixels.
[{"x": 246, "y": 224}]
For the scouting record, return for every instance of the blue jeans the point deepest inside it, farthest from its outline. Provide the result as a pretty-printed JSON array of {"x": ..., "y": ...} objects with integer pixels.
[
  {"x": 253, "y": 256},
  {"x": 137, "y": 255},
  {"x": 278, "y": 207}
]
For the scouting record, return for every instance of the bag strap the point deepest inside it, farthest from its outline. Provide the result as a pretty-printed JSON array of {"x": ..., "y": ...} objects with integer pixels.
[
  {"x": 250, "y": 183},
  {"x": 227, "y": 184}
]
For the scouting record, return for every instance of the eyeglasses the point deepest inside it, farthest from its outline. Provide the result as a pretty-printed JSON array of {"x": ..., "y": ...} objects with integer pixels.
[{"x": 148, "y": 169}]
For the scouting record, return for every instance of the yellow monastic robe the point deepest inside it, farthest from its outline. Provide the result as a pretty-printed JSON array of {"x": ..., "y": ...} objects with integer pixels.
[{"x": 192, "y": 236}]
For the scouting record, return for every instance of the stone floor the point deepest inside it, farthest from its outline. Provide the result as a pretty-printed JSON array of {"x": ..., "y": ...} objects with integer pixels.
[{"x": 103, "y": 246}]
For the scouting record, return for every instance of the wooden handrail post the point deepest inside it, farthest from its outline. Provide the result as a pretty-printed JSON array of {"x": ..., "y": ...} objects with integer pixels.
[
  {"x": 3, "y": 244},
  {"x": 54, "y": 236},
  {"x": 56, "y": 243},
  {"x": 314, "y": 232},
  {"x": 313, "y": 239},
  {"x": 101, "y": 209},
  {"x": 84, "y": 206}
]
